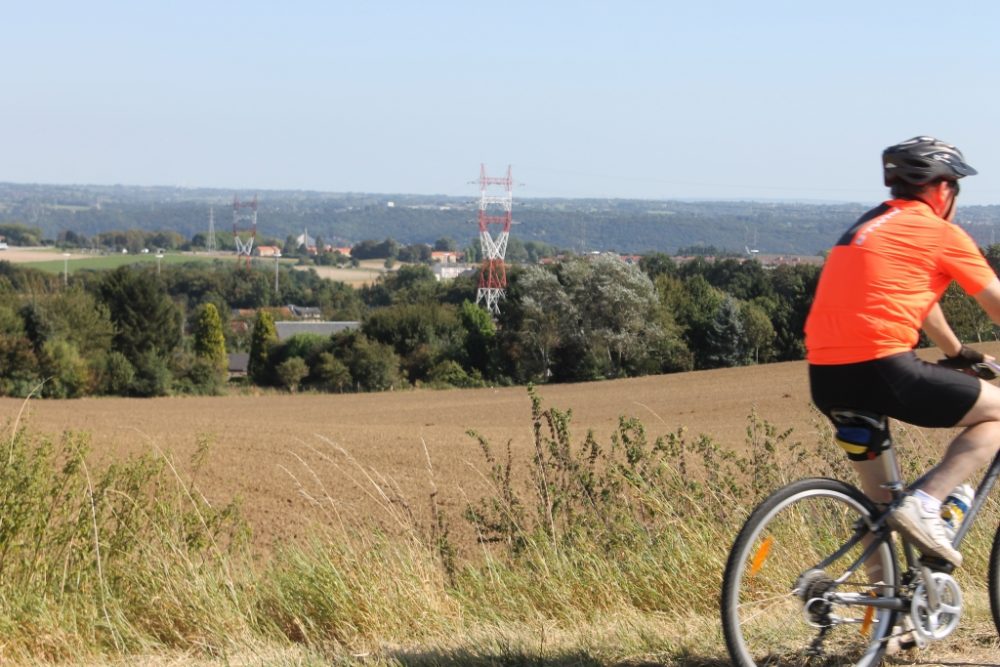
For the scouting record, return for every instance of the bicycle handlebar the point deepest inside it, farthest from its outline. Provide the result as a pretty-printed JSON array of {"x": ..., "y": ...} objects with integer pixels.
[{"x": 987, "y": 369}]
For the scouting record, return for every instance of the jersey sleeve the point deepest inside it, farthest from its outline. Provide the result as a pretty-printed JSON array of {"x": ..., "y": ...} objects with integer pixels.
[{"x": 961, "y": 259}]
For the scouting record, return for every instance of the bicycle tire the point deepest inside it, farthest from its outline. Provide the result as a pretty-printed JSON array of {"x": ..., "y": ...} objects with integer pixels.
[
  {"x": 993, "y": 583},
  {"x": 764, "y": 619}
]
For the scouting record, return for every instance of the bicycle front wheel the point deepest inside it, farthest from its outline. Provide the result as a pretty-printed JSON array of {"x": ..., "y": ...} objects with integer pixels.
[
  {"x": 994, "y": 579},
  {"x": 783, "y": 605}
]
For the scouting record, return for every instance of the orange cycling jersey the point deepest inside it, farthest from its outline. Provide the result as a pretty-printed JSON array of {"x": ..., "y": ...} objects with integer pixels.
[{"x": 882, "y": 279}]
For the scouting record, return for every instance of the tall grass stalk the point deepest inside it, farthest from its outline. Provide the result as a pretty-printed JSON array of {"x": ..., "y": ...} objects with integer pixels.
[{"x": 115, "y": 560}]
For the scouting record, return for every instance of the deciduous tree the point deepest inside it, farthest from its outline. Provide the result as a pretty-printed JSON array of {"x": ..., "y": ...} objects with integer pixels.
[
  {"x": 262, "y": 340},
  {"x": 291, "y": 371}
]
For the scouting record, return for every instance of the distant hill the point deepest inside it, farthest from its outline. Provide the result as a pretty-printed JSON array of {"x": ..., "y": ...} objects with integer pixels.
[{"x": 628, "y": 226}]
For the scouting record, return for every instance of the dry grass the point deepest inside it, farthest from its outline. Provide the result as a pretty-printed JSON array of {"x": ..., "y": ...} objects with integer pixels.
[
  {"x": 367, "y": 273},
  {"x": 338, "y": 490},
  {"x": 19, "y": 255}
]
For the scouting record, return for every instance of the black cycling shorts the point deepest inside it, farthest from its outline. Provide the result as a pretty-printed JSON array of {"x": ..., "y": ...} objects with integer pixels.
[{"x": 901, "y": 386}]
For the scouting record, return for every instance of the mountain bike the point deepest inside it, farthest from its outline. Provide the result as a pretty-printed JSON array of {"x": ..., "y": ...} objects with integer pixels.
[{"x": 817, "y": 577}]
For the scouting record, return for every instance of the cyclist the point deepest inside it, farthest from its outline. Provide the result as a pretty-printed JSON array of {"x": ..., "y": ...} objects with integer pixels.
[{"x": 879, "y": 286}]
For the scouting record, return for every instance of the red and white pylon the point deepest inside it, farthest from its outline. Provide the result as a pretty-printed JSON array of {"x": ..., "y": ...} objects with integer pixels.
[
  {"x": 496, "y": 210},
  {"x": 244, "y": 228}
]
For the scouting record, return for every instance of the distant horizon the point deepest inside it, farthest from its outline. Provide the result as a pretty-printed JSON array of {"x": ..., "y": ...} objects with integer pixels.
[
  {"x": 471, "y": 198},
  {"x": 576, "y": 223}
]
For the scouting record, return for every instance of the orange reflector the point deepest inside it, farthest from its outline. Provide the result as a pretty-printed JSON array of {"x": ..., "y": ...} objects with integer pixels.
[
  {"x": 866, "y": 624},
  {"x": 761, "y": 555}
]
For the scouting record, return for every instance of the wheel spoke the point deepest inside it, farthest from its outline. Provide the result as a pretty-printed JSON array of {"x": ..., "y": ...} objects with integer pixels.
[
  {"x": 767, "y": 605},
  {"x": 779, "y": 609}
]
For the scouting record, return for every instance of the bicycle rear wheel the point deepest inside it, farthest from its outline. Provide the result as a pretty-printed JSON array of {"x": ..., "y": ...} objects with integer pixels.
[{"x": 776, "y": 602}]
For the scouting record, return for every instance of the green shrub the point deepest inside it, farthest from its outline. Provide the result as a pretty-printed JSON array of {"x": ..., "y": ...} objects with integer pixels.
[{"x": 291, "y": 371}]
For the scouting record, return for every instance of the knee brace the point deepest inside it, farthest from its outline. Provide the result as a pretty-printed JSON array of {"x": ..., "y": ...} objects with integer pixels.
[{"x": 863, "y": 435}]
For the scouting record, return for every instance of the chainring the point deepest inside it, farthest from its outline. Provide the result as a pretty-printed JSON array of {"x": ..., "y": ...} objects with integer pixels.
[{"x": 937, "y": 623}]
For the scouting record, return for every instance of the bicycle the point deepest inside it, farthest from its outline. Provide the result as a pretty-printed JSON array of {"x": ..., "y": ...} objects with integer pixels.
[{"x": 817, "y": 576}]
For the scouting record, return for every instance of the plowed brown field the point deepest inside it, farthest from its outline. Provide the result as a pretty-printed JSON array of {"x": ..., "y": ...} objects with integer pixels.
[
  {"x": 268, "y": 449},
  {"x": 19, "y": 255}
]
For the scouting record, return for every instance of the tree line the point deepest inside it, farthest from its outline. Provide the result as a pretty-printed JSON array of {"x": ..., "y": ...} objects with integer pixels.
[
  {"x": 322, "y": 253},
  {"x": 135, "y": 332}
]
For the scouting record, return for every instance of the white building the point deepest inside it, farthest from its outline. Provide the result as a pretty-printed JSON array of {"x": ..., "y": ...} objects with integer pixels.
[{"x": 450, "y": 271}]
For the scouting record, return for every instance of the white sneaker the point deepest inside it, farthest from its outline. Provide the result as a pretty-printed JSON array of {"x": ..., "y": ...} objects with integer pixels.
[
  {"x": 924, "y": 529},
  {"x": 897, "y": 644},
  {"x": 904, "y": 638}
]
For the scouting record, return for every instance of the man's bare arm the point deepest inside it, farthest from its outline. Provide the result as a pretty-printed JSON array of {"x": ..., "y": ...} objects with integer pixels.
[
  {"x": 939, "y": 331},
  {"x": 989, "y": 299}
]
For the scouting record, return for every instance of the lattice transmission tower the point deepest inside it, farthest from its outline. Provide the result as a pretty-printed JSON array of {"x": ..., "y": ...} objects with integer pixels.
[
  {"x": 496, "y": 210},
  {"x": 244, "y": 228},
  {"x": 210, "y": 243}
]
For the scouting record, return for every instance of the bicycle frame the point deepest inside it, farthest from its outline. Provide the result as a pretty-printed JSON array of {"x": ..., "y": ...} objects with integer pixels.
[
  {"x": 881, "y": 533},
  {"x": 863, "y": 576},
  {"x": 985, "y": 486}
]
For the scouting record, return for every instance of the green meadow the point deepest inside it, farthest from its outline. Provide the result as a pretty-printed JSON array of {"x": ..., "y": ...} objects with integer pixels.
[{"x": 107, "y": 262}]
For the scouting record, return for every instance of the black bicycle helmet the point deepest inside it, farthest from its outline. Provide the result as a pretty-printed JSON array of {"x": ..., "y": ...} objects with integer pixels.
[{"x": 922, "y": 160}]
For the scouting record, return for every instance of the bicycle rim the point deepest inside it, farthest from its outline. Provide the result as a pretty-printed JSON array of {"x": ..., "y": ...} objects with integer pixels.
[{"x": 774, "y": 613}]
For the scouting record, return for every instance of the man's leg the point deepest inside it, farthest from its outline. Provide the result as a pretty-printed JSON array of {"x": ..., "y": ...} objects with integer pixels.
[
  {"x": 874, "y": 477},
  {"x": 920, "y": 519},
  {"x": 972, "y": 449}
]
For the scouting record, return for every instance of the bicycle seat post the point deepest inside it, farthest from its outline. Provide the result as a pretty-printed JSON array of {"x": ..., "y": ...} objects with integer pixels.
[{"x": 891, "y": 473}]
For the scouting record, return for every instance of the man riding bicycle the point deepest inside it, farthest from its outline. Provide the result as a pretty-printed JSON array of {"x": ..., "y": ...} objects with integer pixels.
[{"x": 880, "y": 285}]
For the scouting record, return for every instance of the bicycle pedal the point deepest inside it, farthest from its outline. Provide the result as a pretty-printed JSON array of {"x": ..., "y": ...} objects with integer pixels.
[{"x": 937, "y": 564}]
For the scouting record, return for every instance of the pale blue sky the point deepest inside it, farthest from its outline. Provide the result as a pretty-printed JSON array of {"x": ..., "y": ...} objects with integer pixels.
[{"x": 706, "y": 100}]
